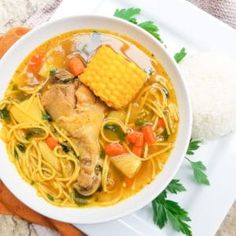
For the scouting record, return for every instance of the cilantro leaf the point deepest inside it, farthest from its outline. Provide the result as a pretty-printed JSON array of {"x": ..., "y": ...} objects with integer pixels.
[
  {"x": 4, "y": 114},
  {"x": 179, "y": 56},
  {"x": 128, "y": 14},
  {"x": 175, "y": 186},
  {"x": 151, "y": 28},
  {"x": 165, "y": 210},
  {"x": 199, "y": 172},
  {"x": 193, "y": 146}
]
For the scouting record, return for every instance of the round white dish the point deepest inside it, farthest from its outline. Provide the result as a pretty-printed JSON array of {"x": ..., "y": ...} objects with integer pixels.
[{"x": 27, "y": 193}]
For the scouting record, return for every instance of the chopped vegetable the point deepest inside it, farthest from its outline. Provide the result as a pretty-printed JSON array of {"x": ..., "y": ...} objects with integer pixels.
[
  {"x": 4, "y": 114},
  {"x": 50, "y": 197},
  {"x": 79, "y": 198},
  {"x": 76, "y": 66},
  {"x": 128, "y": 164},
  {"x": 51, "y": 142},
  {"x": 21, "y": 147},
  {"x": 65, "y": 147},
  {"x": 149, "y": 135},
  {"x": 114, "y": 149},
  {"x": 136, "y": 138},
  {"x": 161, "y": 123},
  {"x": 32, "y": 132},
  {"x": 138, "y": 151},
  {"x": 108, "y": 83},
  {"x": 179, "y": 56},
  {"x": 46, "y": 116},
  {"x": 128, "y": 182},
  {"x": 35, "y": 63},
  {"x": 117, "y": 130},
  {"x": 140, "y": 122},
  {"x": 102, "y": 154}
]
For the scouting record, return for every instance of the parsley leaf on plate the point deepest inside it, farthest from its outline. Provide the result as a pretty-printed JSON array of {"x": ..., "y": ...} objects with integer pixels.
[
  {"x": 128, "y": 14},
  {"x": 199, "y": 172},
  {"x": 165, "y": 210},
  {"x": 175, "y": 186},
  {"x": 179, "y": 56},
  {"x": 193, "y": 146},
  {"x": 151, "y": 28}
]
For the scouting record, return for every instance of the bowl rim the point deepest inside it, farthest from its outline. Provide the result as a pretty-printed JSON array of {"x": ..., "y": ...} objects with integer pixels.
[{"x": 151, "y": 195}]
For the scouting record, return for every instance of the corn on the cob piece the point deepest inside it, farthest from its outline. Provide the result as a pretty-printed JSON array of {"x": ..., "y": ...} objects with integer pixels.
[{"x": 113, "y": 78}]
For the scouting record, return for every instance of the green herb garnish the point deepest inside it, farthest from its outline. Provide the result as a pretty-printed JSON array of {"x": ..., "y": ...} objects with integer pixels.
[
  {"x": 165, "y": 210},
  {"x": 65, "y": 147},
  {"x": 130, "y": 14},
  {"x": 66, "y": 81},
  {"x": 179, "y": 56},
  {"x": 175, "y": 186},
  {"x": 4, "y": 114},
  {"x": 193, "y": 146},
  {"x": 21, "y": 147},
  {"x": 46, "y": 116},
  {"x": 50, "y": 197},
  {"x": 140, "y": 122},
  {"x": 102, "y": 154},
  {"x": 199, "y": 172},
  {"x": 151, "y": 28},
  {"x": 79, "y": 198},
  {"x": 52, "y": 73},
  {"x": 32, "y": 132},
  {"x": 117, "y": 130},
  {"x": 198, "y": 167}
]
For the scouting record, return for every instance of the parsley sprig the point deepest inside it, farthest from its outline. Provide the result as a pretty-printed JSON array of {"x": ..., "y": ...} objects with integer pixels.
[
  {"x": 130, "y": 14},
  {"x": 179, "y": 56},
  {"x": 198, "y": 167},
  {"x": 165, "y": 210}
]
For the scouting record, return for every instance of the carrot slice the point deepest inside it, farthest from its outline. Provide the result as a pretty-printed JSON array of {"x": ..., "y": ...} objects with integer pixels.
[
  {"x": 128, "y": 181},
  {"x": 148, "y": 134},
  {"x": 114, "y": 149},
  {"x": 35, "y": 63},
  {"x": 76, "y": 66},
  {"x": 51, "y": 142},
  {"x": 161, "y": 123},
  {"x": 138, "y": 151},
  {"x": 136, "y": 138}
]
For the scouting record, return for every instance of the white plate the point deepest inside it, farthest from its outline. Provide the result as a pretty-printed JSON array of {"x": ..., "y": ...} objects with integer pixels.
[{"x": 181, "y": 24}]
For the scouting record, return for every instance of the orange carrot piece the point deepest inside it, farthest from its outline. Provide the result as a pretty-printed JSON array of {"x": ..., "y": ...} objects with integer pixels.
[
  {"x": 114, "y": 149},
  {"x": 76, "y": 66},
  {"x": 35, "y": 63},
  {"x": 148, "y": 134},
  {"x": 129, "y": 182},
  {"x": 51, "y": 142},
  {"x": 161, "y": 123},
  {"x": 138, "y": 151},
  {"x": 136, "y": 138}
]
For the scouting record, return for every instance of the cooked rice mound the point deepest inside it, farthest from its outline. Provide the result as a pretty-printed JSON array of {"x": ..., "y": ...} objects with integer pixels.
[{"x": 211, "y": 79}]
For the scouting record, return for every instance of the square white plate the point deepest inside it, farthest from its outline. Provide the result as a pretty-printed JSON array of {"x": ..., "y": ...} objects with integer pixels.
[{"x": 181, "y": 25}]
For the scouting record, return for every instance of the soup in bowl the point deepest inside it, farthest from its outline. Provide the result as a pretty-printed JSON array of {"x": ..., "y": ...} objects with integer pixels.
[{"x": 91, "y": 118}]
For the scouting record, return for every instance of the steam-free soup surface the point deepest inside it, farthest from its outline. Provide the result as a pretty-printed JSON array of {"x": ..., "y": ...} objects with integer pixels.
[{"x": 89, "y": 118}]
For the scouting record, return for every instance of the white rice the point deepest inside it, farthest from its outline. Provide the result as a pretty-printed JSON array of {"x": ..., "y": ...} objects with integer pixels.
[{"x": 211, "y": 79}]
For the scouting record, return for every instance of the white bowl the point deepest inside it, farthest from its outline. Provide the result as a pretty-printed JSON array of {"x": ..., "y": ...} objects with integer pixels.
[{"x": 27, "y": 193}]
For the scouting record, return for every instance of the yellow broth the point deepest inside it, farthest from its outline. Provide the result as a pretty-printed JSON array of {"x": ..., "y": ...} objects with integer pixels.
[{"x": 85, "y": 43}]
